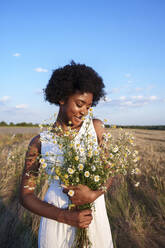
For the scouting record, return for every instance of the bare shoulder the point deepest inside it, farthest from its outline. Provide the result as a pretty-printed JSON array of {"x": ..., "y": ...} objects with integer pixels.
[
  {"x": 99, "y": 128},
  {"x": 34, "y": 150},
  {"x": 34, "y": 146},
  {"x": 98, "y": 124},
  {"x": 35, "y": 142}
]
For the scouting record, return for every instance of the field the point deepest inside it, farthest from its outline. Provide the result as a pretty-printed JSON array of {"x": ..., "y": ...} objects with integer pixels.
[{"x": 136, "y": 214}]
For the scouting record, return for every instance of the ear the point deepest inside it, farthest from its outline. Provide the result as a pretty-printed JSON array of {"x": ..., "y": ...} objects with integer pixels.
[{"x": 61, "y": 102}]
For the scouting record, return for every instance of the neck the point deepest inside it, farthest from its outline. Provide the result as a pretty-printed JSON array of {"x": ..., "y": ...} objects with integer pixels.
[{"x": 64, "y": 123}]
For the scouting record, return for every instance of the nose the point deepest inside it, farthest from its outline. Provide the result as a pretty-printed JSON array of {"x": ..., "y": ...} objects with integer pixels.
[{"x": 84, "y": 111}]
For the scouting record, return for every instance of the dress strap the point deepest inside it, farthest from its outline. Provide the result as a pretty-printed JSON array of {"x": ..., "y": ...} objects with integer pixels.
[{"x": 87, "y": 126}]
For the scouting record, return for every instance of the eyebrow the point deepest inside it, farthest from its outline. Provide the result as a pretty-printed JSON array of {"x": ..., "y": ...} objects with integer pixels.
[{"x": 84, "y": 101}]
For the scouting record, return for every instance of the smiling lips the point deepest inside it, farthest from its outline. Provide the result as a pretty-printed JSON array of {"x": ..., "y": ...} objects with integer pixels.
[{"x": 79, "y": 118}]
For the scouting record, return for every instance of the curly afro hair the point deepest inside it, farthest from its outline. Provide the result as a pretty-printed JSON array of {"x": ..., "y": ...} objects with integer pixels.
[{"x": 71, "y": 78}]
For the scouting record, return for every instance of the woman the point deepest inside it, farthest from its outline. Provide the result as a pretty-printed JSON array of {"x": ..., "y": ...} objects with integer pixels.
[{"x": 75, "y": 88}]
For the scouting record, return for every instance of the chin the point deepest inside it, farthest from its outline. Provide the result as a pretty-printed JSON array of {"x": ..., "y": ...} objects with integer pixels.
[{"x": 76, "y": 121}]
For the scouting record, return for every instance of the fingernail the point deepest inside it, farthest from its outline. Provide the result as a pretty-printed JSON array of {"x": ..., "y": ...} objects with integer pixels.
[{"x": 62, "y": 185}]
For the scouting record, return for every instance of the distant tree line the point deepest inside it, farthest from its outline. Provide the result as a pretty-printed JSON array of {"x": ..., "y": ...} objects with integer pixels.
[
  {"x": 30, "y": 124},
  {"x": 152, "y": 127},
  {"x": 20, "y": 124}
]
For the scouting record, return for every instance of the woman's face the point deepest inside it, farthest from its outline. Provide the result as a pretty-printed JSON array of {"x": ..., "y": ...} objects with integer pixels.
[{"x": 75, "y": 108}]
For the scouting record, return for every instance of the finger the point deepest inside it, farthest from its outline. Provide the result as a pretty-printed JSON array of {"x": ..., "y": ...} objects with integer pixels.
[
  {"x": 87, "y": 211},
  {"x": 85, "y": 224},
  {"x": 87, "y": 218},
  {"x": 64, "y": 186},
  {"x": 72, "y": 187},
  {"x": 76, "y": 202},
  {"x": 68, "y": 187}
]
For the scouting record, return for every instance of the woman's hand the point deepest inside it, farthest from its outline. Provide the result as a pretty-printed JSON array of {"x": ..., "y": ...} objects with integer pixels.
[
  {"x": 82, "y": 194},
  {"x": 77, "y": 218}
]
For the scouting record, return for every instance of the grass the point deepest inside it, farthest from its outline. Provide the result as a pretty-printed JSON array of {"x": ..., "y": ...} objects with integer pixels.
[{"x": 136, "y": 214}]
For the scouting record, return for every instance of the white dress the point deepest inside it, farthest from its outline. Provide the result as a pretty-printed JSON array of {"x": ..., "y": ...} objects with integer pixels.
[{"x": 53, "y": 234}]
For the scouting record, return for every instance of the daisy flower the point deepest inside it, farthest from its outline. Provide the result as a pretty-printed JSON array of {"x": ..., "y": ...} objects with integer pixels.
[
  {"x": 44, "y": 165},
  {"x": 137, "y": 171},
  {"x": 137, "y": 184},
  {"x": 96, "y": 152},
  {"x": 70, "y": 170},
  {"x": 115, "y": 149},
  {"x": 80, "y": 167},
  {"x": 93, "y": 168},
  {"x": 109, "y": 135},
  {"x": 42, "y": 160},
  {"x": 81, "y": 149},
  {"x": 87, "y": 174},
  {"x": 76, "y": 158},
  {"x": 111, "y": 155},
  {"x": 96, "y": 178},
  {"x": 90, "y": 153},
  {"x": 71, "y": 192}
]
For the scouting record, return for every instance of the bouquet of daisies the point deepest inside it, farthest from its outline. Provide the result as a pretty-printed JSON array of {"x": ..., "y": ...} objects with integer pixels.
[{"x": 89, "y": 164}]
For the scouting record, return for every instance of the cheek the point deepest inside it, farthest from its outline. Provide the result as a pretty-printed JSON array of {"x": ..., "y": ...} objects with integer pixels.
[
  {"x": 71, "y": 111},
  {"x": 74, "y": 109}
]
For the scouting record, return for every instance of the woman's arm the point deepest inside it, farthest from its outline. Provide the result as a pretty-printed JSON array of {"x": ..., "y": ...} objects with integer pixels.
[{"x": 31, "y": 202}]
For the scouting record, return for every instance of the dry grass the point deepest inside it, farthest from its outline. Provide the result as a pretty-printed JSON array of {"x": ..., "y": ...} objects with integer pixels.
[{"x": 137, "y": 215}]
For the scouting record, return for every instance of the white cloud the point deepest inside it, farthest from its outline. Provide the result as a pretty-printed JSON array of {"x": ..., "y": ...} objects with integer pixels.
[
  {"x": 39, "y": 69},
  {"x": 39, "y": 91},
  {"x": 137, "y": 97},
  {"x": 122, "y": 97},
  {"x": 153, "y": 98},
  {"x": 105, "y": 99},
  {"x": 21, "y": 106},
  {"x": 127, "y": 103},
  {"x": 16, "y": 54},
  {"x": 134, "y": 101},
  {"x": 115, "y": 90},
  {"x": 4, "y": 99},
  {"x": 130, "y": 81},
  {"x": 127, "y": 75}
]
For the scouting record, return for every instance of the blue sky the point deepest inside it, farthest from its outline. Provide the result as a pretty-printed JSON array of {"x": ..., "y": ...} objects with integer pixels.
[{"x": 123, "y": 40}]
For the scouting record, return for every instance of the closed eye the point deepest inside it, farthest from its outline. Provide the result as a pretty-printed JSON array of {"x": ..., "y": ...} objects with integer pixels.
[{"x": 79, "y": 105}]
